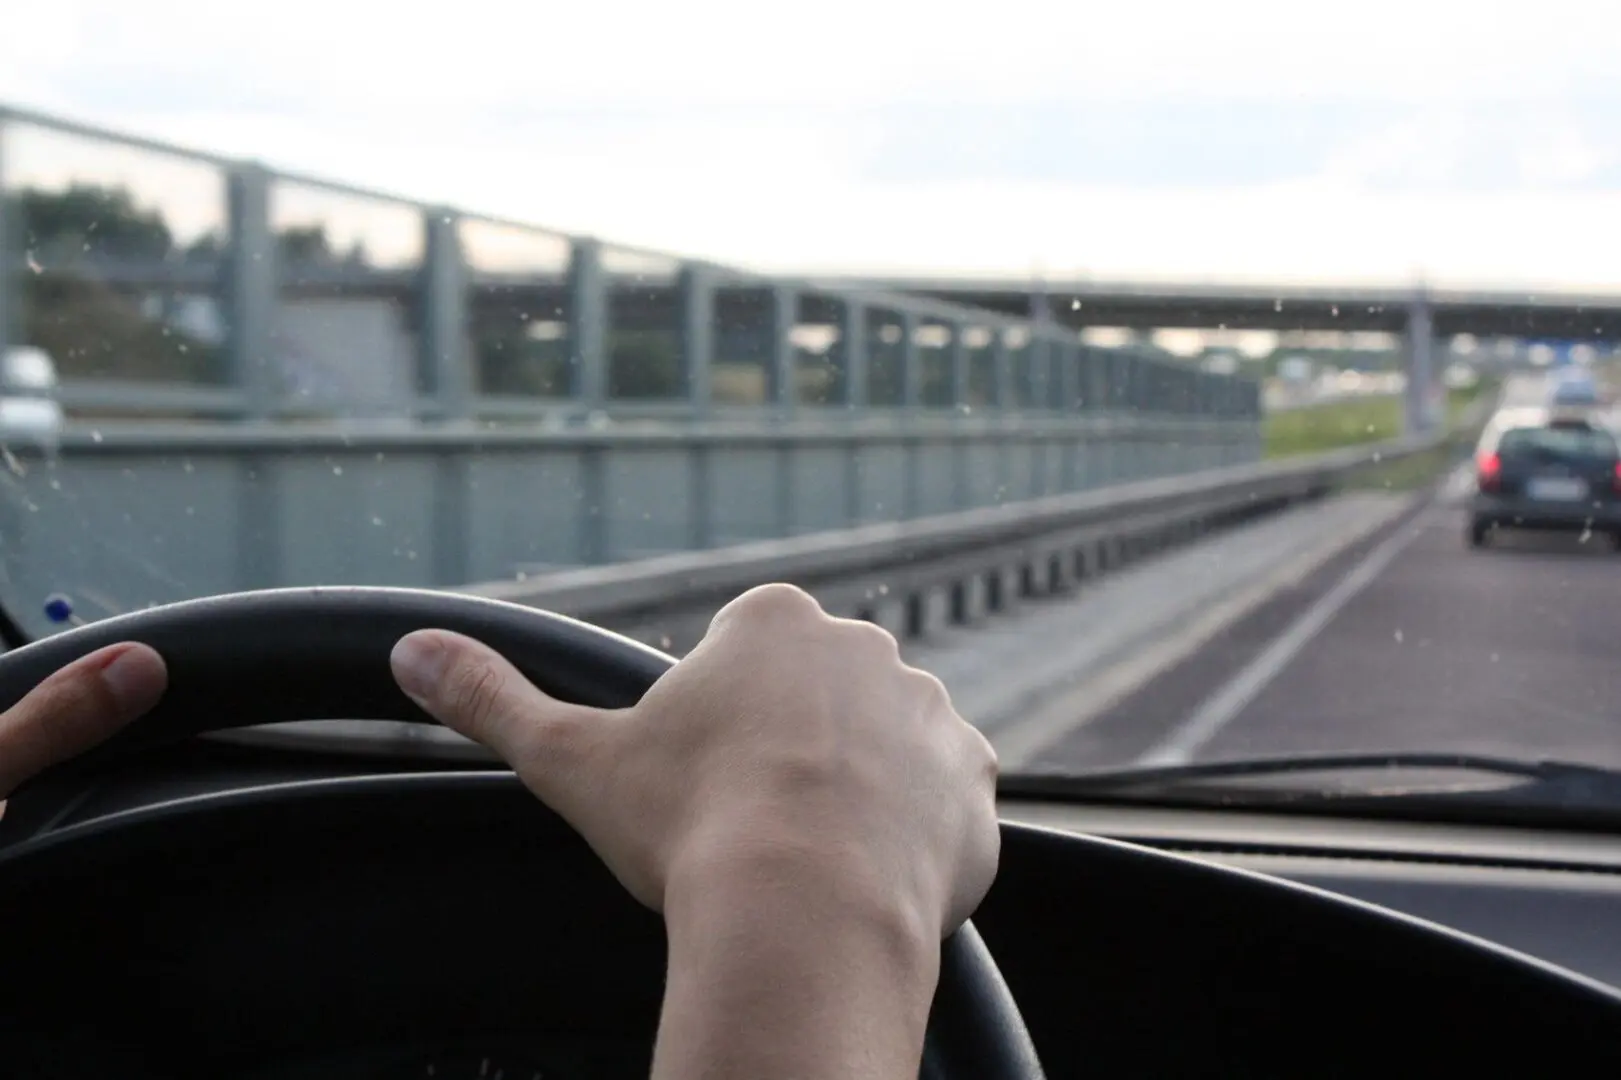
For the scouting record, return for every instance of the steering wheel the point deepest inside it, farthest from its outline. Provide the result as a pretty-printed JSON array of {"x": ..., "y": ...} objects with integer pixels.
[{"x": 281, "y": 655}]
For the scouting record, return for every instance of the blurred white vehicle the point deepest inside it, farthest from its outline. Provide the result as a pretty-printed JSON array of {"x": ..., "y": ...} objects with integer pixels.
[{"x": 29, "y": 409}]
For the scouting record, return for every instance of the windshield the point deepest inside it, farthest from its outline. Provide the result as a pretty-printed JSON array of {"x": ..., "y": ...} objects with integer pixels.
[
  {"x": 1557, "y": 442},
  {"x": 1138, "y": 368}
]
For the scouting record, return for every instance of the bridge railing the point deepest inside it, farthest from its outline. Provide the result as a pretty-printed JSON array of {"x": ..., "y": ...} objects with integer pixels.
[{"x": 174, "y": 284}]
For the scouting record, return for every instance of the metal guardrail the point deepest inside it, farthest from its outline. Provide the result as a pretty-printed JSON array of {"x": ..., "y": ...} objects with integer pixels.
[{"x": 913, "y": 577}]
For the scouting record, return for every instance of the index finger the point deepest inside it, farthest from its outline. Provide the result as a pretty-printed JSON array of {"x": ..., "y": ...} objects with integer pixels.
[{"x": 76, "y": 708}]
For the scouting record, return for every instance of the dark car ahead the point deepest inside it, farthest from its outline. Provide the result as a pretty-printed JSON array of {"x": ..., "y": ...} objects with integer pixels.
[{"x": 1550, "y": 474}]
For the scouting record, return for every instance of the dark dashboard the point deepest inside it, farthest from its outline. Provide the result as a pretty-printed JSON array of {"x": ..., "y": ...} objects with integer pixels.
[{"x": 224, "y": 912}]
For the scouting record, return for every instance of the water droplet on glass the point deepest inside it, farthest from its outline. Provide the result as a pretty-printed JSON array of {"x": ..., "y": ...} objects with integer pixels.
[
  {"x": 1277, "y": 305},
  {"x": 883, "y": 590},
  {"x": 337, "y": 470},
  {"x": 33, "y": 264},
  {"x": 95, "y": 436},
  {"x": 375, "y": 520},
  {"x": 665, "y": 642},
  {"x": 1398, "y": 636}
]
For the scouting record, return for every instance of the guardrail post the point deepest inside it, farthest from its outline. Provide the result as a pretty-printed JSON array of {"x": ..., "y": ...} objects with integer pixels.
[
  {"x": 1070, "y": 444},
  {"x": 447, "y": 368},
  {"x": 1002, "y": 362},
  {"x": 961, "y": 390},
  {"x": 697, "y": 290},
  {"x": 911, "y": 362},
  {"x": 853, "y": 352},
  {"x": 588, "y": 323},
  {"x": 1037, "y": 372},
  {"x": 960, "y": 393},
  {"x": 784, "y": 317},
  {"x": 911, "y": 400},
  {"x": 252, "y": 287}
]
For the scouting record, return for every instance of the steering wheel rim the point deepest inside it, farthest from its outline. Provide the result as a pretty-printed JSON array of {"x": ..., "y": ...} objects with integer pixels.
[{"x": 241, "y": 649}]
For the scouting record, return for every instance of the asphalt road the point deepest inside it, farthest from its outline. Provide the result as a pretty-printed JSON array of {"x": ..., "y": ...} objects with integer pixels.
[{"x": 1406, "y": 641}]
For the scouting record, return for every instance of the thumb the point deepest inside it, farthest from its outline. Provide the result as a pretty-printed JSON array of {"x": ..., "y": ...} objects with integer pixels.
[{"x": 474, "y": 690}]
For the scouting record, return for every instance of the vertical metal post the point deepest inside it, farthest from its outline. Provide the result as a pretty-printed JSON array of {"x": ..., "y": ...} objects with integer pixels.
[
  {"x": 1038, "y": 373},
  {"x": 911, "y": 362},
  {"x": 784, "y": 317},
  {"x": 853, "y": 352},
  {"x": 252, "y": 288},
  {"x": 446, "y": 363},
  {"x": 1002, "y": 362},
  {"x": 1069, "y": 377},
  {"x": 588, "y": 323},
  {"x": 697, "y": 291},
  {"x": 960, "y": 389}
]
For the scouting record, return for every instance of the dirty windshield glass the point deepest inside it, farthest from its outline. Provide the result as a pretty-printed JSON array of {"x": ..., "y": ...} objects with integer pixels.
[{"x": 1133, "y": 366}]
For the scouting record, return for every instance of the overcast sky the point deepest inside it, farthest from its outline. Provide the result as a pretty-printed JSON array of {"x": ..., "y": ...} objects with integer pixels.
[{"x": 1378, "y": 141}]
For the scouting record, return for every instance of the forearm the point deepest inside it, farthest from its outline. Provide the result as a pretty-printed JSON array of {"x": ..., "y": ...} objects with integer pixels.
[{"x": 784, "y": 973}]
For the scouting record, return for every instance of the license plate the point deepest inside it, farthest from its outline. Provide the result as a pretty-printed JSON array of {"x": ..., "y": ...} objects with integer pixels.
[{"x": 1558, "y": 489}]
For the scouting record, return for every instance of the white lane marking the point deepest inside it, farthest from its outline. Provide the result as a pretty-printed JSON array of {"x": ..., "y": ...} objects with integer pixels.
[
  {"x": 1021, "y": 743},
  {"x": 1218, "y": 710}
]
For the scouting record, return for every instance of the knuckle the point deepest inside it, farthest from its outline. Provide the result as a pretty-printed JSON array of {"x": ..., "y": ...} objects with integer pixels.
[
  {"x": 929, "y": 687},
  {"x": 778, "y": 599},
  {"x": 990, "y": 762},
  {"x": 874, "y": 637}
]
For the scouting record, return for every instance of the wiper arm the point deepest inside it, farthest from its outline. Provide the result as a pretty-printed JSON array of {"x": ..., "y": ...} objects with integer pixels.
[{"x": 1545, "y": 783}]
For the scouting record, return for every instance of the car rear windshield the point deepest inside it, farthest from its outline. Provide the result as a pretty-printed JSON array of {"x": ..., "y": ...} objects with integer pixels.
[{"x": 1565, "y": 442}]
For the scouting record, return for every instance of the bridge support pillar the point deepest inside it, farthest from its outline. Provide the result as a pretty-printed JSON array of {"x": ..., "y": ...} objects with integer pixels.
[{"x": 1424, "y": 405}]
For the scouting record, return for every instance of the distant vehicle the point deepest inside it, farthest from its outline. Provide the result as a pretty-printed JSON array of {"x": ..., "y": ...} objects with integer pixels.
[
  {"x": 1575, "y": 393},
  {"x": 29, "y": 409},
  {"x": 1546, "y": 473}
]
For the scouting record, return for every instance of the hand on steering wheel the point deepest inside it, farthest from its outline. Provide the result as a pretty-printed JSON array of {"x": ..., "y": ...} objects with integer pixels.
[
  {"x": 788, "y": 743},
  {"x": 808, "y": 812},
  {"x": 76, "y": 708}
]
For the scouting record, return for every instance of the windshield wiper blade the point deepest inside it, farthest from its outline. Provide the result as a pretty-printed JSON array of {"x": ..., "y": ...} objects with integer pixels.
[{"x": 1546, "y": 783}]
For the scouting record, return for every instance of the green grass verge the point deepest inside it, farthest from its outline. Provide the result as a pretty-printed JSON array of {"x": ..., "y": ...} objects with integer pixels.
[{"x": 1353, "y": 422}]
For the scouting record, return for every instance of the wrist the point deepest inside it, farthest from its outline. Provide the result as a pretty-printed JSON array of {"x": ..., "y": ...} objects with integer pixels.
[{"x": 781, "y": 959}]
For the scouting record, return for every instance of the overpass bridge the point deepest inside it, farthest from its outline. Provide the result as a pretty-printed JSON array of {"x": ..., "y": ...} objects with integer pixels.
[{"x": 1157, "y": 305}]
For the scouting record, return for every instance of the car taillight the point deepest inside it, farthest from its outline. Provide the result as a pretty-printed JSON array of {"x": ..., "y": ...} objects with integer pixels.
[
  {"x": 1489, "y": 469},
  {"x": 1615, "y": 479}
]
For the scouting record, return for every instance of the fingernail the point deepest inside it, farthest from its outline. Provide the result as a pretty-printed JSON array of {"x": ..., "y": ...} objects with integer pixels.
[
  {"x": 419, "y": 661},
  {"x": 134, "y": 681}
]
